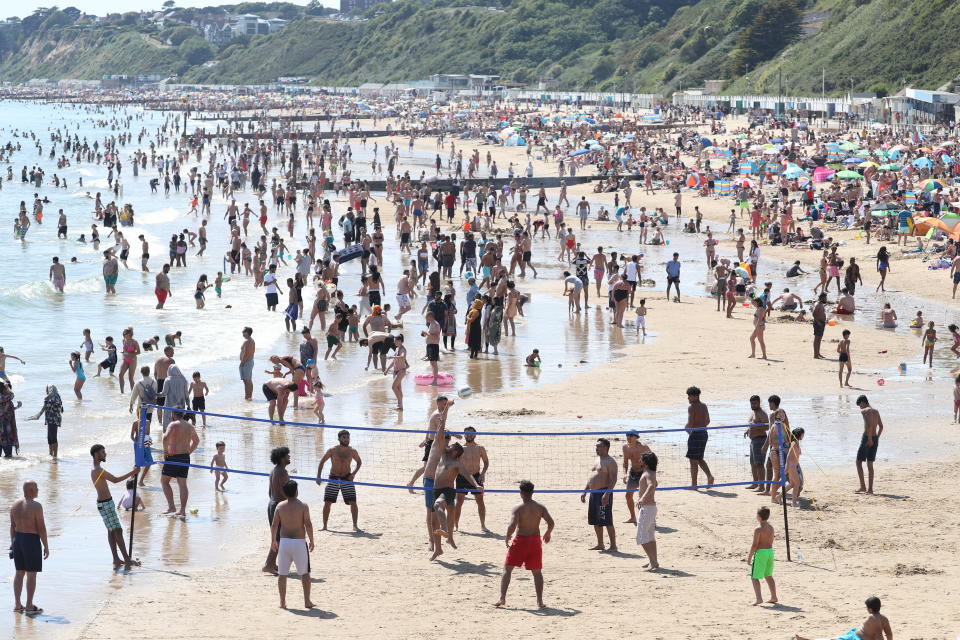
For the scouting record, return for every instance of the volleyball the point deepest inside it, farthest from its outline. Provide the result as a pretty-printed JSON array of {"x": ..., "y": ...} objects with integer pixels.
[{"x": 464, "y": 392}]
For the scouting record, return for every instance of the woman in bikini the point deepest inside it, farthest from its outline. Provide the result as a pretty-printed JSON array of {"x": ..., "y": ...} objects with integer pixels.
[
  {"x": 883, "y": 266},
  {"x": 130, "y": 349},
  {"x": 398, "y": 366}
]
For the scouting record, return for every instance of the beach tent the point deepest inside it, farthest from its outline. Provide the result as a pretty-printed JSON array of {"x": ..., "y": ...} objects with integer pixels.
[
  {"x": 822, "y": 174},
  {"x": 515, "y": 141}
]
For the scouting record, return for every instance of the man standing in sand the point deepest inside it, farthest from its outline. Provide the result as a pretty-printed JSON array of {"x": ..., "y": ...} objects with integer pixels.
[
  {"x": 875, "y": 627},
  {"x": 341, "y": 477},
  {"x": 179, "y": 441},
  {"x": 757, "y": 432},
  {"x": 647, "y": 521},
  {"x": 291, "y": 525},
  {"x": 280, "y": 457},
  {"x": 872, "y": 429},
  {"x": 602, "y": 480},
  {"x": 819, "y": 323},
  {"x": 162, "y": 289},
  {"x": 632, "y": 470},
  {"x": 525, "y": 549},
  {"x": 698, "y": 419},
  {"x": 28, "y": 533},
  {"x": 247, "y": 350},
  {"x": 475, "y": 459},
  {"x": 449, "y": 468},
  {"x": 106, "y": 506}
]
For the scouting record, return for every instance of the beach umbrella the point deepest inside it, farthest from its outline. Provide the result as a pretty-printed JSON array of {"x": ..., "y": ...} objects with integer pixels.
[
  {"x": 853, "y": 161},
  {"x": 890, "y": 167},
  {"x": 822, "y": 174},
  {"x": 849, "y": 146},
  {"x": 706, "y": 142},
  {"x": 899, "y": 147},
  {"x": 756, "y": 148},
  {"x": 849, "y": 175},
  {"x": 922, "y": 162},
  {"x": 776, "y": 140},
  {"x": 880, "y": 213},
  {"x": 933, "y": 184},
  {"x": 579, "y": 152},
  {"x": 793, "y": 172},
  {"x": 883, "y": 206},
  {"x": 868, "y": 163}
]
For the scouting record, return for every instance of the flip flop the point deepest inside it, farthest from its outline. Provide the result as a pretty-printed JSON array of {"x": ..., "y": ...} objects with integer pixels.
[
  {"x": 18, "y": 609},
  {"x": 33, "y": 612}
]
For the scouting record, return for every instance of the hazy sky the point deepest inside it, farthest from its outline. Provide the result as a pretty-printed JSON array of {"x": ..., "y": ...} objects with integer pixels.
[{"x": 24, "y": 8}]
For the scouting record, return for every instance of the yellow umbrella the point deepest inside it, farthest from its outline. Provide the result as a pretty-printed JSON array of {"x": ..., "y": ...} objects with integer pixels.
[{"x": 867, "y": 163}]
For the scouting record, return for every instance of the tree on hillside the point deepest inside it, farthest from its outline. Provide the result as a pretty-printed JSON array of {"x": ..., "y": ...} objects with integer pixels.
[
  {"x": 195, "y": 50},
  {"x": 774, "y": 26}
]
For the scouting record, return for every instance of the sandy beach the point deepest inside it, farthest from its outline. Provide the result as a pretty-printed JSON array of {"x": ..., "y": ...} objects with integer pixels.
[{"x": 201, "y": 577}]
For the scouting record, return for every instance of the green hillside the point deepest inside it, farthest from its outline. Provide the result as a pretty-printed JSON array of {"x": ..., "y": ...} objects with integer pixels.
[{"x": 613, "y": 45}]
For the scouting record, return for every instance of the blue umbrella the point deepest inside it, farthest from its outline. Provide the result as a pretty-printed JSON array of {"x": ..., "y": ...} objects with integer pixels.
[
  {"x": 922, "y": 162},
  {"x": 706, "y": 142},
  {"x": 777, "y": 140},
  {"x": 853, "y": 161},
  {"x": 580, "y": 152}
]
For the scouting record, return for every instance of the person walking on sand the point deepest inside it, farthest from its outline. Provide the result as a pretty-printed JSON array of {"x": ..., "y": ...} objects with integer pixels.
[
  {"x": 340, "y": 480},
  {"x": 179, "y": 441},
  {"x": 760, "y": 557},
  {"x": 698, "y": 418},
  {"x": 603, "y": 478},
  {"x": 875, "y": 627},
  {"x": 869, "y": 441},
  {"x": 525, "y": 549},
  {"x": 288, "y": 534},
  {"x": 28, "y": 546},
  {"x": 843, "y": 349},
  {"x": 106, "y": 506},
  {"x": 759, "y": 327}
]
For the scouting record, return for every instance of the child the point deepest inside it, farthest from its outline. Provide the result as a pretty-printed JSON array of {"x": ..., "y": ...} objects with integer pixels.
[
  {"x": 318, "y": 401},
  {"x": 173, "y": 338},
  {"x": 219, "y": 461},
  {"x": 126, "y": 502},
  {"x": 918, "y": 321},
  {"x": 794, "y": 472},
  {"x": 760, "y": 557},
  {"x": 956, "y": 340},
  {"x": 929, "y": 339},
  {"x": 87, "y": 345},
  {"x": 111, "y": 361},
  {"x": 199, "y": 389},
  {"x": 77, "y": 367},
  {"x": 333, "y": 341},
  {"x": 533, "y": 360},
  {"x": 151, "y": 343},
  {"x": 843, "y": 348},
  {"x": 641, "y": 319},
  {"x": 218, "y": 283},
  {"x": 353, "y": 325}
]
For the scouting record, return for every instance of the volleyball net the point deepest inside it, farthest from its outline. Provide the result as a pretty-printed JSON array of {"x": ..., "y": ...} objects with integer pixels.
[{"x": 555, "y": 461}]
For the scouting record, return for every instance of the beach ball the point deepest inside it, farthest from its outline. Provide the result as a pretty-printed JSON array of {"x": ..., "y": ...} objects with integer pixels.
[
  {"x": 881, "y": 382},
  {"x": 465, "y": 392}
]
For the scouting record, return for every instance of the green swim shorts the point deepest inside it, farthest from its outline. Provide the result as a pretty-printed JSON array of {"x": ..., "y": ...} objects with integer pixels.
[{"x": 762, "y": 564}]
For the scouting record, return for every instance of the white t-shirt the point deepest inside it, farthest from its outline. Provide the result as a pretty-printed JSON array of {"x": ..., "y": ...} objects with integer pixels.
[
  {"x": 270, "y": 281},
  {"x": 631, "y": 269}
]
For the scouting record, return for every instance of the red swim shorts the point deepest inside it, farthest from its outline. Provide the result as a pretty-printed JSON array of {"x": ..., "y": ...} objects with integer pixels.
[
  {"x": 161, "y": 295},
  {"x": 525, "y": 551}
]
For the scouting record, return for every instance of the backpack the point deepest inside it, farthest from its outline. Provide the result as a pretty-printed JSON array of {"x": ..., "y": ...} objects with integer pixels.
[{"x": 148, "y": 393}]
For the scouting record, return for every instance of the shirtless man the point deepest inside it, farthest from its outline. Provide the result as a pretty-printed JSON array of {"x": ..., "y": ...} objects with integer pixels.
[
  {"x": 475, "y": 459},
  {"x": 162, "y": 289},
  {"x": 698, "y": 418},
  {"x": 247, "y": 350},
  {"x": 647, "y": 523},
  {"x": 525, "y": 549},
  {"x": 160, "y": 369},
  {"x": 58, "y": 275},
  {"x": 449, "y": 468},
  {"x": 277, "y": 392},
  {"x": 179, "y": 441},
  {"x": 280, "y": 457},
  {"x": 875, "y": 627},
  {"x": 603, "y": 478},
  {"x": 599, "y": 267},
  {"x": 775, "y": 444},
  {"x": 288, "y": 533},
  {"x": 872, "y": 429},
  {"x": 403, "y": 294},
  {"x": 28, "y": 533},
  {"x": 106, "y": 506},
  {"x": 819, "y": 324},
  {"x": 757, "y": 432},
  {"x": 341, "y": 477},
  {"x": 632, "y": 451}
]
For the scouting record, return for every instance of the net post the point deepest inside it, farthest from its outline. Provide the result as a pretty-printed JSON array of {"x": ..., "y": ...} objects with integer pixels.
[
  {"x": 139, "y": 461},
  {"x": 783, "y": 485}
]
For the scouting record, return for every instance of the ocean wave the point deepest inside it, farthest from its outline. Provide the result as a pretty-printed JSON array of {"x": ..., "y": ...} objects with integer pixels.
[
  {"x": 43, "y": 289},
  {"x": 167, "y": 214}
]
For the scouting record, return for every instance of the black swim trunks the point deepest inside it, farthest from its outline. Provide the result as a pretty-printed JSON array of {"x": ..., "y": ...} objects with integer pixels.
[
  {"x": 449, "y": 494},
  {"x": 865, "y": 453},
  {"x": 756, "y": 449},
  {"x": 462, "y": 483},
  {"x": 433, "y": 352},
  {"x": 27, "y": 552},
  {"x": 599, "y": 514},
  {"x": 696, "y": 444},
  {"x": 268, "y": 393},
  {"x": 176, "y": 470}
]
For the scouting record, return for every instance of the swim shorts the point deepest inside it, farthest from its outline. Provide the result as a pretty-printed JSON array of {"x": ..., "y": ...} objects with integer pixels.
[
  {"x": 176, "y": 470},
  {"x": 334, "y": 487},
  {"x": 27, "y": 552},
  {"x": 463, "y": 484},
  {"x": 268, "y": 393},
  {"x": 293, "y": 551},
  {"x": 428, "y": 492},
  {"x": 599, "y": 514},
  {"x": 525, "y": 551},
  {"x": 762, "y": 566},
  {"x": 756, "y": 449},
  {"x": 647, "y": 524},
  {"x": 108, "y": 511},
  {"x": 246, "y": 370},
  {"x": 865, "y": 453},
  {"x": 449, "y": 494},
  {"x": 433, "y": 352},
  {"x": 696, "y": 444},
  {"x": 633, "y": 481}
]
